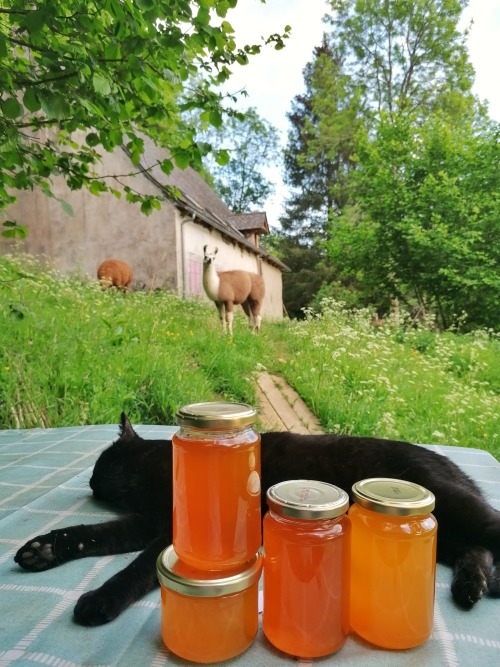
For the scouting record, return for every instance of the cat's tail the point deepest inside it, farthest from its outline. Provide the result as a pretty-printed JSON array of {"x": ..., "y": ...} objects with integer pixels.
[
  {"x": 494, "y": 581},
  {"x": 491, "y": 534},
  {"x": 491, "y": 541}
]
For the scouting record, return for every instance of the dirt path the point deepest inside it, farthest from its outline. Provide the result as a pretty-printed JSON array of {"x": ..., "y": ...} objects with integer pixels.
[{"x": 281, "y": 408}]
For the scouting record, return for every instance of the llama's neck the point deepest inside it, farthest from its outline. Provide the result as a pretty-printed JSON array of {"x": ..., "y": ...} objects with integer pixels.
[{"x": 211, "y": 281}]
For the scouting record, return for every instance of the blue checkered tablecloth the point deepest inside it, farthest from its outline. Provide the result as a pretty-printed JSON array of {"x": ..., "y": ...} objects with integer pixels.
[{"x": 44, "y": 477}]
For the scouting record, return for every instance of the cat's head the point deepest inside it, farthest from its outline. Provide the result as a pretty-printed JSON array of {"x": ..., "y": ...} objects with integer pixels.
[{"x": 111, "y": 469}]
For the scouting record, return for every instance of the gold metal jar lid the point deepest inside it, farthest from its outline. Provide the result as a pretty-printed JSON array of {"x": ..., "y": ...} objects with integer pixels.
[
  {"x": 393, "y": 496},
  {"x": 177, "y": 576},
  {"x": 216, "y": 415},
  {"x": 307, "y": 499}
]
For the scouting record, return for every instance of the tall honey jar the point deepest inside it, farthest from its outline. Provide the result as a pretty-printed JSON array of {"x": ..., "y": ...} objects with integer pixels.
[
  {"x": 393, "y": 562},
  {"x": 306, "y": 568},
  {"x": 216, "y": 485},
  {"x": 208, "y": 616}
]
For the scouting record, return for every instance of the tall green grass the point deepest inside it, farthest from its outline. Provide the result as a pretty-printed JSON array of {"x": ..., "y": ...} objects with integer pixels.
[{"x": 73, "y": 354}]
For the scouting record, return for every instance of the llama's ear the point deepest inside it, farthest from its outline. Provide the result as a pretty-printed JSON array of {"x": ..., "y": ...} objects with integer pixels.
[{"x": 126, "y": 430}]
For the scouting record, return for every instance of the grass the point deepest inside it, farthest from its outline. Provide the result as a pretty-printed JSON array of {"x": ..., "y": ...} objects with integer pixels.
[{"x": 73, "y": 354}]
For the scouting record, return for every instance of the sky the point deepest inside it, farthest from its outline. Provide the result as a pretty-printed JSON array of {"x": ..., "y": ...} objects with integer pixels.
[{"x": 273, "y": 78}]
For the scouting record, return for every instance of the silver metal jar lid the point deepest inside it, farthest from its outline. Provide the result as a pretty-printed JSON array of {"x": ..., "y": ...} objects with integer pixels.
[
  {"x": 393, "y": 496},
  {"x": 307, "y": 499},
  {"x": 177, "y": 576},
  {"x": 216, "y": 415}
]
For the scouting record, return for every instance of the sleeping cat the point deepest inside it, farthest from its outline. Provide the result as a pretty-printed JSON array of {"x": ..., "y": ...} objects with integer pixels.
[{"x": 135, "y": 475}]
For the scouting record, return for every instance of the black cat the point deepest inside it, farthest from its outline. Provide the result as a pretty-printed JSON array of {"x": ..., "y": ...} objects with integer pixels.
[{"x": 135, "y": 475}]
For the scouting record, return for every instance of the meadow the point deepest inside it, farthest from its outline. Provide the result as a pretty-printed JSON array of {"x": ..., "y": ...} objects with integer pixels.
[{"x": 73, "y": 354}]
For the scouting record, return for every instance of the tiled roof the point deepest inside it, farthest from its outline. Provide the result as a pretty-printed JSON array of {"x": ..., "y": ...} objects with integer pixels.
[{"x": 255, "y": 221}]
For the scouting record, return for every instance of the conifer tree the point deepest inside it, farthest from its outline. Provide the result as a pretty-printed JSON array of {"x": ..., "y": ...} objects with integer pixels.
[{"x": 318, "y": 156}]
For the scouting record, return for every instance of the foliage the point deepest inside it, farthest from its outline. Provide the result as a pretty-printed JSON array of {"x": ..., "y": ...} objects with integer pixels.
[
  {"x": 405, "y": 55},
  {"x": 251, "y": 144},
  {"x": 318, "y": 160},
  {"x": 79, "y": 77},
  {"x": 380, "y": 57},
  {"x": 318, "y": 157},
  {"x": 72, "y": 354},
  {"x": 428, "y": 211},
  {"x": 401, "y": 162},
  {"x": 307, "y": 274}
]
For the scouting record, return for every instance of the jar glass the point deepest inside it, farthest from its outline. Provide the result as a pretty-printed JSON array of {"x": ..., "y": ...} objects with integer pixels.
[
  {"x": 216, "y": 485},
  {"x": 393, "y": 562},
  {"x": 208, "y": 616},
  {"x": 306, "y": 568}
]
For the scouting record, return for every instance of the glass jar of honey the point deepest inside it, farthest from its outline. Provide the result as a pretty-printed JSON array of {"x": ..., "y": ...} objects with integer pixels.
[
  {"x": 216, "y": 485},
  {"x": 208, "y": 616},
  {"x": 306, "y": 568},
  {"x": 393, "y": 562}
]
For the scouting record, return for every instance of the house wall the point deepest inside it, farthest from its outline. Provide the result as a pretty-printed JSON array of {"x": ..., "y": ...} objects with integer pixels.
[
  {"x": 273, "y": 307},
  {"x": 164, "y": 249},
  {"x": 230, "y": 255},
  {"x": 101, "y": 227}
]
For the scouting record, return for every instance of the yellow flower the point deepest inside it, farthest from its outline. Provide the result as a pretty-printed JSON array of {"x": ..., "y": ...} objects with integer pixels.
[{"x": 7, "y": 369}]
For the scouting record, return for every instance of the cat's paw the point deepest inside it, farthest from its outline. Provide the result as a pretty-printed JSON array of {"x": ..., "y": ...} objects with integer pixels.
[
  {"x": 469, "y": 589},
  {"x": 471, "y": 577},
  {"x": 55, "y": 548},
  {"x": 97, "y": 607},
  {"x": 37, "y": 554}
]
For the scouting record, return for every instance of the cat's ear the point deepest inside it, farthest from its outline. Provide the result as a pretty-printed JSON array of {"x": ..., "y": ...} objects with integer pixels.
[{"x": 126, "y": 430}]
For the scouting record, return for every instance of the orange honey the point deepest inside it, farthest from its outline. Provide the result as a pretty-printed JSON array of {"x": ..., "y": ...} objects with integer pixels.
[
  {"x": 216, "y": 486},
  {"x": 393, "y": 562},
  {"x": 306, "y": 568},
  {"x": 207, "y": 616}
]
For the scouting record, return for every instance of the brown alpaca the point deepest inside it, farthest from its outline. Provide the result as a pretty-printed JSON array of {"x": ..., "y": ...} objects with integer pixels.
[
  {"x": 230, "y": 288},
  {"x": 115, "y": 273}
]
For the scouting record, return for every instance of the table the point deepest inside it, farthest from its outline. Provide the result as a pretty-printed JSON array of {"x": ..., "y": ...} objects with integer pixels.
[{"x": 44, "y": 475}]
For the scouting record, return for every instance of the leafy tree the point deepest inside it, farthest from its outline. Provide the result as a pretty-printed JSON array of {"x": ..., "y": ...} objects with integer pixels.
[
  {"x": 404, "y": 54},
  {"x": 412, "y": 203},
  {"x": 113, "y": 70},
  {"x": 251, "y": 143},
  {"x": 415, "y": 226},
  {"x": 427, "y": 216}
]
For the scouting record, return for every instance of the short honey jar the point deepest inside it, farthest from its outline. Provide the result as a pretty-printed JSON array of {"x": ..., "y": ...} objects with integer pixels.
[
  {"x": 306, "y": 568},
  {"x": 208, "y": 617},
  {"x": 393, "y": 562},
  {"x": 216, "y": 485}
]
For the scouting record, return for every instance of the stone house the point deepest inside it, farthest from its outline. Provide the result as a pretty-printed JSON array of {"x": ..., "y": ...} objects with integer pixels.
[{"x": 165, "y": 249}]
